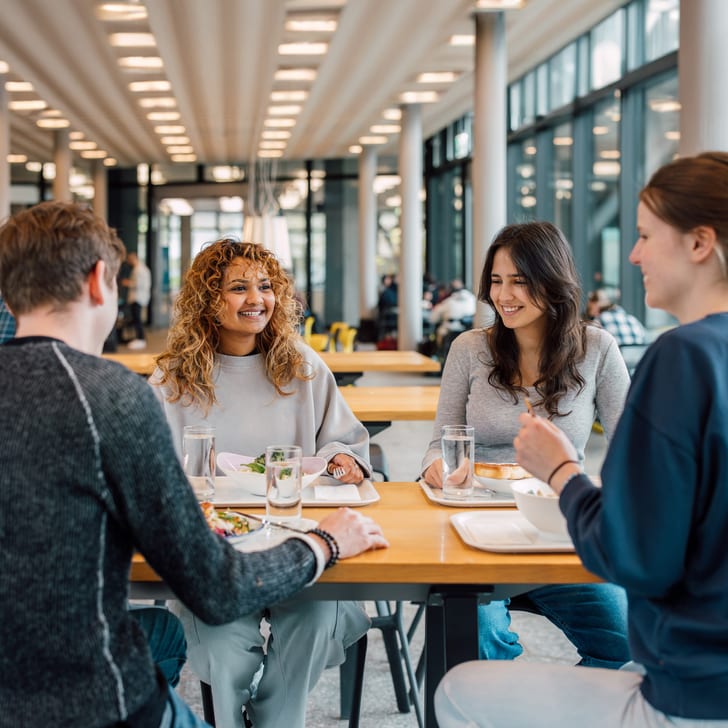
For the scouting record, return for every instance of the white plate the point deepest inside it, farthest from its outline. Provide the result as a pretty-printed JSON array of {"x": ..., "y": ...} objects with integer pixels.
[
  {"x": 504, "y": 531},
  {"x": 479, "y": 499},
  {"x": 500, "y": 485},
  {"x": 265, "y": 538},
  {"x": 230, "y": 493},
  {"x": 252, "y": 482}
]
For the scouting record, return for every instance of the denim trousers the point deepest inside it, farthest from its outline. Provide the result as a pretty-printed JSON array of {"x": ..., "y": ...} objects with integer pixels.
[
  {"x": 592, "y": 616},
  {"x": 177, "y": 714},
  {"x": 166, "y": 639}
]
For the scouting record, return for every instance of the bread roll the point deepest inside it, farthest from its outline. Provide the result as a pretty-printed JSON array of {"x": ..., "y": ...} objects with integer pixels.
[{"x": 500, "y": 471}]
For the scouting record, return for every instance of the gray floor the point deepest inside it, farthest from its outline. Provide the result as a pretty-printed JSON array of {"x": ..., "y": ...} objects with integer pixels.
[{"x": 404, "y": 444}]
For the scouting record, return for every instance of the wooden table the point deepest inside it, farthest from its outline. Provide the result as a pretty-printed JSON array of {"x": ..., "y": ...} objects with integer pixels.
[
  {"x": 377, "y": 407},
  {"x": 346, "y": 366},
  {"x": 427, "y": 562}
]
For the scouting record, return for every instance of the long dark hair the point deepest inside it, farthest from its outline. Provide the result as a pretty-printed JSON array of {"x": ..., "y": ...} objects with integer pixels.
[{"x": 542, "y": 256}]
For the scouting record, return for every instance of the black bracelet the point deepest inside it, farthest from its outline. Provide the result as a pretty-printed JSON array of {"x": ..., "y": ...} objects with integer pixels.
[
  {"x": 330, "y": 542},
  {"x": 558, "y": 467}
]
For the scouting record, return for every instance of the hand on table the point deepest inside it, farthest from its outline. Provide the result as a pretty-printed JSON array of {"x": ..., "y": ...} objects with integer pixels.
[
  {"x": 354, "y": 532},
  {"x": 541, "y": 446},
  {"x": 345, "y": 468},
  {"x": 433, "y": 475}
]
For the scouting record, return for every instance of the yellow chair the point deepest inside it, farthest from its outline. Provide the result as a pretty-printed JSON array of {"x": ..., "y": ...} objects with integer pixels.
[
  {"x": 336, "y": 329},
  {"x": 318, "y": 342},
  {"x": 347, "y": 339}
]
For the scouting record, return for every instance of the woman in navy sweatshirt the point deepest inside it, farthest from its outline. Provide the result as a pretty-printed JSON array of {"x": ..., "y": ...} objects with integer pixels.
[{"x": 659, "y": 525}]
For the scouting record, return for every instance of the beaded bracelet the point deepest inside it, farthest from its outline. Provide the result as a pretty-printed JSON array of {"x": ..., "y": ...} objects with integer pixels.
[
  {"x": 330, "y": 542},
  {"x": 558, "y": 467}
]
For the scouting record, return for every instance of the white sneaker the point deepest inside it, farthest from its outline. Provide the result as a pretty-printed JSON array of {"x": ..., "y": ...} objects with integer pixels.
[{"x": 137, "y": 344}]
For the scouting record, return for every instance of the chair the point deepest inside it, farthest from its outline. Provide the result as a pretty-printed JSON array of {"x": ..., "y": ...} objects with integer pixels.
[
  {"x": 397, "y": 641},
  {"x": 318, "y": 342},
  {"x": 347, "y": 339},
  {"x": 336, "y": 329}
]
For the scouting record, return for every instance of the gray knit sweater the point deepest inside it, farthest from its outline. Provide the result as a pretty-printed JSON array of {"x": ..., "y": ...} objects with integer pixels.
[{"x": 88, "y": 473}]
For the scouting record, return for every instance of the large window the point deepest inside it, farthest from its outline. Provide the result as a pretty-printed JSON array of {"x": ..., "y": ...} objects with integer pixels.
[
  {"x": 525, "y": 181},
  {"x": 562, "y": 176}
]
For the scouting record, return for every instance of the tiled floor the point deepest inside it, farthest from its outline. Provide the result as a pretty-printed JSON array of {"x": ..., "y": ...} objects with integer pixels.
[{"x": 404, "y": 444}]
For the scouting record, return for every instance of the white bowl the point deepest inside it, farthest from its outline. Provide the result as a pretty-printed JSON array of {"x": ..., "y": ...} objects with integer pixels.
[
  {"x": 254, "y": 483},
  {"x": 499, "y": 485},
  {"x": 540, "y": 505}
]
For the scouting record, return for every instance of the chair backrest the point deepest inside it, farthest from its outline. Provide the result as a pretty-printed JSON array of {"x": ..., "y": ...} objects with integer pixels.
[
  {"x": 347, "y": 339},
  {"x": 336, "y": 329},
  {"x": 308, "y": 328}
]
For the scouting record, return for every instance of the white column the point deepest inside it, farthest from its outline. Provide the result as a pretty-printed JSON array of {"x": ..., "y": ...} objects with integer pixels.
[
  {"x": 367, "y": 234},
  {"x": 62, "y": 160},
  {"x": 4, "y": 151},
  {"x": 703, "y": 91},
  {"x": 489, "y": 142},
  {"x": 101, "y": 190},
  {"x": 409, "y": 319}
]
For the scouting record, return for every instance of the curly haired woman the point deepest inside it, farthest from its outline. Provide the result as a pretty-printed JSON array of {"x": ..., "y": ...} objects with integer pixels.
[{"x": 235, "y": 360}]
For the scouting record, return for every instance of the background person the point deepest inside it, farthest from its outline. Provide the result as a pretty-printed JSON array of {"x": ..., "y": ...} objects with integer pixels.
[
  {"x": 93, "y": 479},
  {"x": 658, "y": 523},
  {"x": 624, "y": 327},
  {"x": 235, "y": 360},
  {"x": 539, "y": 348},
  {"x": 138, "y": 296}
]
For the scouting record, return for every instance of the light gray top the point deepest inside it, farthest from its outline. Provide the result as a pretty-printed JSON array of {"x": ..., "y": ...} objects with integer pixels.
[
  {"x": 250, "y": 414},
  {"x": 466, "y": 397}
]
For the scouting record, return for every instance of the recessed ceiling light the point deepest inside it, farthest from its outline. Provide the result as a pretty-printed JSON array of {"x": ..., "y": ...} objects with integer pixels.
[
  {"x": 27, "y": 105},
  {"x": 53, "y": 123},
  {"x": 280, "y": 123},
  {"x": 272, "y": 153},
  {"x": 499, "y": 4},
  {"x": 146, "y": 86},
  {"x": 76, "y": 135},
  {"x": 392, "y": 114},
  {"x": 34, "y": 166},
  {"x": 462, "y": 40},
  {"x": 385, "y": 129},
  {"x": 373, "y": 139},
  {"x": 132, "y": 40},
  {"x": 270, "y": 144},
  {"x": 157, "y": 102},
  {"x": 418, "y": 97},
  {"x": 175, "y": 140},
  {"x": 16, "y": 159},
  {"x": 180, "y": 149},
  {"x": 51, "y": 112},
  {"x": 275, "y": 134},
  {"x": 183, "y": 158},
  {"x": 4, "y": 67},
  {"x": 141, "y": 63},
  {"x": 163, "y": 115},
  {"x": 94, "y": 154},
  {"x": 121, "y": 11},
  {"x": 170, "y": 129},
  {"x": 355, "y": 149},
  {"x": 303, "y": 49},
  {"x": 566, "y": 141},
  {"x": 284, "y": 110},
  {"x": 110, "y": 162},
  {"x": 437, "y": 77},
  {"x": 80, "y": 145},
  {"x": 295, "y": 74},
  {"x": 18, "y": 86},
  {"x": 307, "y": 25},
  {"x": 288, "y": 95}
]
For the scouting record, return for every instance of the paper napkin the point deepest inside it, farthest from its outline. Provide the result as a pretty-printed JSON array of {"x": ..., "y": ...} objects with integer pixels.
[{"x": 345, "y": 493}]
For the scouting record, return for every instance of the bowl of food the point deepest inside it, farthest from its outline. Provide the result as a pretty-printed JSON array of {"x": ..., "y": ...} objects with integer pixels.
[
  {"x": 540, "y": 506},
  {"x": 249, "y": 472},
  {"x": 499, "y": 476},
  {"x": 226, "y": 523}
]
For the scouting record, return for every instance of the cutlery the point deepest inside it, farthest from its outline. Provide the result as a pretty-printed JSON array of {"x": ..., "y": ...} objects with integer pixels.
[{"x": 268, "y": 522}]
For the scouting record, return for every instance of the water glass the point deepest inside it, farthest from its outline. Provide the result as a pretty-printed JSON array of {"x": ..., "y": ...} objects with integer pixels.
[
  {"x": 198, "y": 459},
  {"x": 458, "y": 447},
  {"x": 283, "y": 471}
]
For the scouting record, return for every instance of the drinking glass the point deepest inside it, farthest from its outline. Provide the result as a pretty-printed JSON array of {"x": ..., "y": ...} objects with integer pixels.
[
  {"x": 458, "y": 446},
  {"x": 198, "y": 459},
  {"x": 283, "y": 482}
]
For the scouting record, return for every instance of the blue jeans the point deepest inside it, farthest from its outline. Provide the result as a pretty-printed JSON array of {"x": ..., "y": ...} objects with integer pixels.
[
  {"x": 166, "y": 639},
  {"x": 592, "y": 616},
  {"x": 178, "y": 714}
]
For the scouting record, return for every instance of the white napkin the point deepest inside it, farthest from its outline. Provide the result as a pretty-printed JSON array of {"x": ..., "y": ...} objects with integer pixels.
[{"x": 346, "y": 492}]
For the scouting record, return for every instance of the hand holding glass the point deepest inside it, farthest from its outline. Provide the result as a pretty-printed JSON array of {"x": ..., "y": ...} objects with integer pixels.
[
  {"x": 283, "y": 466},
  {"x": 458, "y": 446},
  {"x": 198, "y": 459}
]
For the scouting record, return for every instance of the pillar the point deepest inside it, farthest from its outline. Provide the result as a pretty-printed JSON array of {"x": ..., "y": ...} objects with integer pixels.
[
  {"x": 367, "y": 241},
  {"x": 62, "y": 160}
]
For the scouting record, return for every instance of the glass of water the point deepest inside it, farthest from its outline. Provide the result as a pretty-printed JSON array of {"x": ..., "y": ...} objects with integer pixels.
[
  {"x": 198, "y": 459},
  {"x": 283, "y": 482},
  {"x": 458, "y": 446}
]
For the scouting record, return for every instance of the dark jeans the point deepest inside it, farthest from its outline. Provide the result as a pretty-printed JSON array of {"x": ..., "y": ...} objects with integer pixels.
[{"x": 135, "y": 310}]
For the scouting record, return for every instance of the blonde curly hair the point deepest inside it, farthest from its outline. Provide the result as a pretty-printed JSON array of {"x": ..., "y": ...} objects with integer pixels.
[{"x": 187, "y": 363}]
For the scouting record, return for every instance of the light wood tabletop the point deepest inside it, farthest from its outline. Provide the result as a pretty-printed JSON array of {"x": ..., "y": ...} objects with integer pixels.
[
  {"x": 340, "y": 362},
  {"x": 378, "y": 404},
  {"x": 426, "y": 561}
]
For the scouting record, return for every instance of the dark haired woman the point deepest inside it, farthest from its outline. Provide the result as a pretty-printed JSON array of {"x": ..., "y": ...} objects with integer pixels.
[{"x": 538, "y": 348}]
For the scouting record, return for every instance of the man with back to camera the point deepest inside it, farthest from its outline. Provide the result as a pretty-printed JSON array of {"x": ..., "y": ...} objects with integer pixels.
[{"x": 88, "y": 474}]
